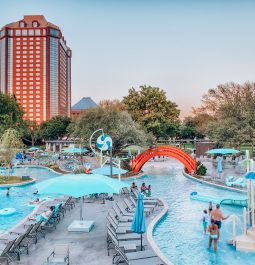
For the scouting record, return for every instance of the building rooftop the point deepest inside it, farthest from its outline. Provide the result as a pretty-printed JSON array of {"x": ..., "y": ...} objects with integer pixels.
[
  {"x": 84, "y": 103},
  {"x": 28, "y": 20}
]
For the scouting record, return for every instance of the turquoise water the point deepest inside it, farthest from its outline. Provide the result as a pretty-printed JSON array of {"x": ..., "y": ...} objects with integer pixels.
[
  {"x": 19, "y": 197},
  {"x": 180, "y": 235}
]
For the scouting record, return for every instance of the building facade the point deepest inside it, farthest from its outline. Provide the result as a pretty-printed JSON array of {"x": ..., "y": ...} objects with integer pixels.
[{"x": 35, "y": 66}]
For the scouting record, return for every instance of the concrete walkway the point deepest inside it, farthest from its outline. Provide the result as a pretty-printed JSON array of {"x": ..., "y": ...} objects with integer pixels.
[{"x": 85, "y": 248}]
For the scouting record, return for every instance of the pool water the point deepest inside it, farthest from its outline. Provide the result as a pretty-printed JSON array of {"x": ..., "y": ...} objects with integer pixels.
[
  {"x": 20, "y": 196},
  {"x": 180, "y": 235}
]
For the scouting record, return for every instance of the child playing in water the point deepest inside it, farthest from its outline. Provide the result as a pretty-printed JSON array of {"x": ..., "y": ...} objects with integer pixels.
[
  {"x": 149, "y": 191},
  {"x": 206, "y": 218}
]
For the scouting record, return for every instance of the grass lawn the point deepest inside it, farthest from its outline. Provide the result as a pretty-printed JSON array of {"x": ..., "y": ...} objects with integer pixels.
[{"x": 12, "y": 180}]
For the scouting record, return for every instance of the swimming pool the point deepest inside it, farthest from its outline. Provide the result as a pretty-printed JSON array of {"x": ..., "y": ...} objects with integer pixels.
[
  {"x": 19, "y": 196},
  {"x": 180, "y": 235}
]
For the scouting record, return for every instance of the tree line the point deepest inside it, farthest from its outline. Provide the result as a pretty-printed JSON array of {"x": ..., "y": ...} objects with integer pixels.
[{"x": 146, "y": 115}]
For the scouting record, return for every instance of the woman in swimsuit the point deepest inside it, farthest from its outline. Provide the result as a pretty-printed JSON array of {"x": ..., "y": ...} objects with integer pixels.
[
  {"x": 210, "y": 208},
  {"x": 214, "y": 234}
]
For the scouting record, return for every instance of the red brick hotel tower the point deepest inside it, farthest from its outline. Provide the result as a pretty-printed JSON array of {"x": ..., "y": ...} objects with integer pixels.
[{"x": 35, "y": 66}]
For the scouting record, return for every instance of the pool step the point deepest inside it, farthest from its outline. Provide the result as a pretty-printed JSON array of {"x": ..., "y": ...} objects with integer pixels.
[
  {"x": 251, "y": 233},
  {"x": 245, "y": 243}
]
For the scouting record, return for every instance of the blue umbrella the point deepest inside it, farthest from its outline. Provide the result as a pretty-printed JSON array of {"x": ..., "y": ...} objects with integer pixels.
[
  {"x": 75, "y": 150},
  {"x": 106, "y": 170},
  {"x": 78, "y": 185},
  {"x": 138, "y": 224},
  {"x": 250, "y": 175},
  {"x": 223, "y": 151}
]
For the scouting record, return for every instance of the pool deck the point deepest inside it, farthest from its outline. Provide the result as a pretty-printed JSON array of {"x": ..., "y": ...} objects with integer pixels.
[{"x": 85, "y": 248}]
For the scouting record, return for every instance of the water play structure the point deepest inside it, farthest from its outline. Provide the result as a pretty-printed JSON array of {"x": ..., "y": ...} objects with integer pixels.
[
  {"x": 164, "y": 150},
  {"x": 234, "y": 201}
]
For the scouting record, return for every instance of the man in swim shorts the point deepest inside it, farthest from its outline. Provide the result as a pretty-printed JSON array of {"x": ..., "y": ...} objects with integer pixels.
[
  {"x": 218, "y": 217},
  {"x": 214, "y": 234}
]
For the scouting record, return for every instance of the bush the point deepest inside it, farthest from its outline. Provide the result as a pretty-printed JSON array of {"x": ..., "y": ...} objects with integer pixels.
[{"x": 201, "y": 169}]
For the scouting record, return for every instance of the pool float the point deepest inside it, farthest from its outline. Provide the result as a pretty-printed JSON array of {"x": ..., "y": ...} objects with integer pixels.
[
  {"x": 7, "y": 211},
  {"x": 234, "y": 201}
]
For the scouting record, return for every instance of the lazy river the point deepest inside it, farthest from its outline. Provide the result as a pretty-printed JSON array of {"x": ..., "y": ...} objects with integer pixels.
[{"x": 180, "y": 235}]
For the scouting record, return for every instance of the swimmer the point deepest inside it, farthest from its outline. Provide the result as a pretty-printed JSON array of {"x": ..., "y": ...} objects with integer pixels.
[
  {"x": 214, "y": 234},
  {"x": 8, "y": 192},
  {"x": 37, "y": 201}
]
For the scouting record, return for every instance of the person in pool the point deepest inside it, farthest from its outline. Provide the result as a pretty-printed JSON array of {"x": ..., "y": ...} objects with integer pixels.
[
  {"x": 218, "y": 217},
  {"x": 144, "y": 189},
  {"x": 206, "y": 219},
  {"x": 149, "y": 191},
  {"x": 210, "y": 208},
  {"x": 133, "y": 187},
  {"x": 36, "y": 201},
  {"x": 8, "y": 192},
  {"x": 214, "y": 235}
]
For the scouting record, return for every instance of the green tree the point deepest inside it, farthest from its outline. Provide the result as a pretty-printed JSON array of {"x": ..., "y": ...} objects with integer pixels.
[
  {"x": 188, "y": 128},
  {"x": 54, "y": 128},
  {"x": 10, "y": 144},
  {"x": 118, "y": 124},
  {"x": 231, "y": 108},
  {"x": 150, "y": 107},
  {"x": 11, "y": 114}
]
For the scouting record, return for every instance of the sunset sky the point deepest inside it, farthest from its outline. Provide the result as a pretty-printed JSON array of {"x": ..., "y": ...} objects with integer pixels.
[{"x": 183, "y": 47}]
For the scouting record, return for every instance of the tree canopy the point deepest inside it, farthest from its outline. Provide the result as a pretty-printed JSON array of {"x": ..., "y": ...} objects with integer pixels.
[
  {"x": 150, "y": 107},
  {"x": 118, "y": 124},
  {"x": 189, "y": 128},
  {"x": 11, "y": 114},
  {"x": 54, "y": 128},
  {"x": 231, "y": 111}
]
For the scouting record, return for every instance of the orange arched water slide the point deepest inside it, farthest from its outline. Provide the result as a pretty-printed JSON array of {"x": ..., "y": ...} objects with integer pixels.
[{"x": 164, "y": 150}]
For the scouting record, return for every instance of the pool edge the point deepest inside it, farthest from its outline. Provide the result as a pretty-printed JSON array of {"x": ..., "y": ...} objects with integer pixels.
[{"x": 152, "y": 225}]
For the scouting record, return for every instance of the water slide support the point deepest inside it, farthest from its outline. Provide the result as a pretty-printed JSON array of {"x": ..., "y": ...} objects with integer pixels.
[{"x": 244, "y": 221}]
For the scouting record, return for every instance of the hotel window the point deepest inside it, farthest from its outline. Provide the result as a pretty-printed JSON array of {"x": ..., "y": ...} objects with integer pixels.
[
  {"x": 37, "y": 92},
  {"x": 10, "y": 32},
  {"x": 18, "y": 48},
  {"x": 24, "y": 43},
  {"x": 24, "y": 32},
  {"x": 24, "y": 65},
  {"x": 18, "y": 70},
  {"x": 31, "y": 43},
  {"x": 24, "y": 52},
  {"x": 31, "y": 47},
  {"x": 37, "y": 96},
  {"x": 24, "y": 100},
  {"x": 18, "y": 32},
  {"x": 18, "y": 56},
  {"x": 31, "y": 100},
  {"x": 37, "y": 65},
  {"x": 17, "y": 74},
  {"x": 37, "y": 38},
  {"x": 37, "y": 114},
  {"x": 31, "y": 74},
  {"x": 18, "y": 87},
  {"x": 37, "y": 105},
  {"x": 35, "y": 24},
  {"x": 18, "y": 43},
  {"x": 37, "y": 101},
  {"x": 37, "y": 78},
  {"x": 37, "y": 32},
  {"x": 24, "y": 39},
  {"x": 31, "y": 32},
  {"x": 24, "y": 70},
  {"x": 22, "y": 24},
  {"x": 31, "y": 38},
  {"x": 24, "y": 92},
  {"x": 25, "y": 96},
  {"x": 24, "y": 83},
  {"x": 18, "y": 92},
  {"x": 38, "y": 83},
  {"x": 18, "y": 52},
  {"x": 37, "y": 87},
  {"x": 24, "y": 61},
  {"x": 17, "y": 61},
  {"x": 17, "y": 78},
  {"x": 37, "y": 52},
  {"x": 24, "y": 56},
  {"x": 31, "y": 52},
  {"x": 17, "y": 65},
  {"x": 31, "y": 78},
  {"x": 24, "y": 74},
  {"x": 31, "y": 92},
  {"x": 31, "y": 65},
  {"x": 37, "y": 56},
  {"x": 37, "y": 48},
  {"x": 31, "y": 56},
  {"x": 18, "y": 39},
  {"x": 37, "y": 74},
  {"x": 38, "y": 61},
  {"x": 38, "y": 43},
  {"x": 31, "y": 83},
  {"x": 37, "y": 119},
  {"x": 24, "y": 78},
  {"x": 31, "y": 96},
  {"x": 37, "y": 70},
  {"x": 18, "y": 83},
  {"x": 24, "y": 105},
  {"x": 31, "y": 70}
]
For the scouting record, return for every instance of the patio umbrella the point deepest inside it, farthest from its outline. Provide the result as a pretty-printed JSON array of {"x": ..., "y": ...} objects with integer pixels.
[
  {"x": 32, "y": 149},
  {"x": 138, "y": 224},
  {"x": 78, "y": 185},
  {"x": 222, "y": 151},
  {"x": 75, "y": 150},
  {"x": 106, "y": 170}
]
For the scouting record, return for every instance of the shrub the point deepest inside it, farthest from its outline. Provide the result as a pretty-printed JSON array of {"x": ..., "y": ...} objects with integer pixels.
[{"x": 201, "y": 169}]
